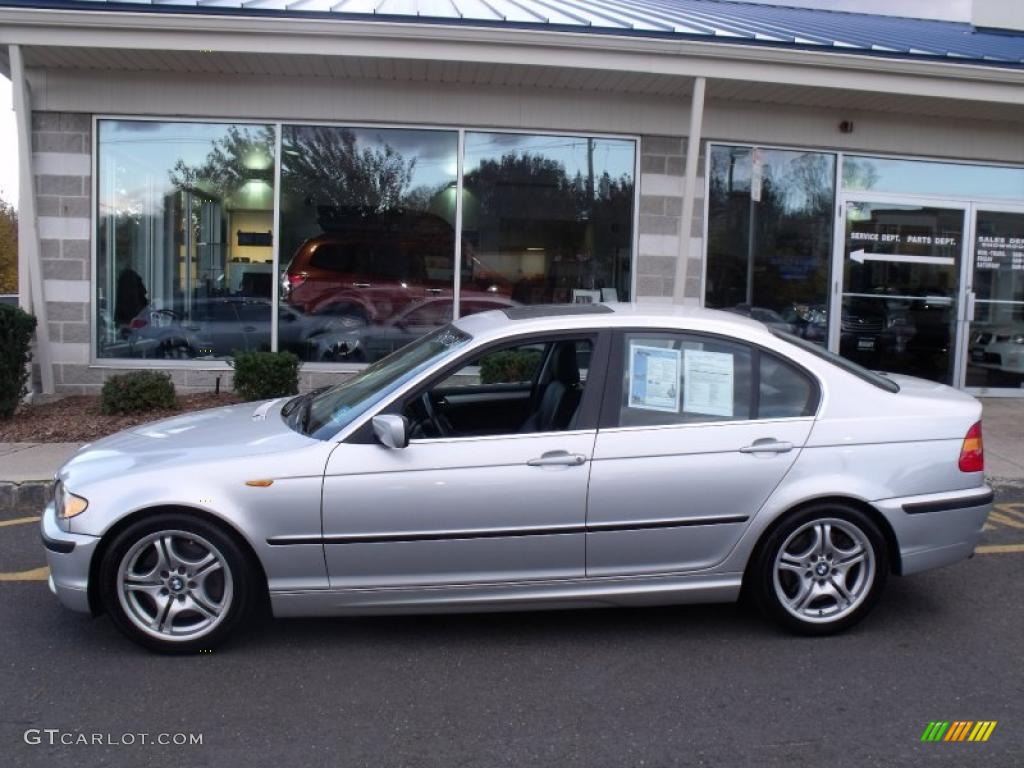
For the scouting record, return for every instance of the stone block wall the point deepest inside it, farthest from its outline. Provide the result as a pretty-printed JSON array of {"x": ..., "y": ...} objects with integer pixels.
[
  {"x": 662, "y": 162},
  {"x": 61, "y": 158}
]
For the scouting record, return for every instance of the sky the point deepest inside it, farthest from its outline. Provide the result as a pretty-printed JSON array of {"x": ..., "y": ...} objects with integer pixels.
[{"x": 8, "y": 145}]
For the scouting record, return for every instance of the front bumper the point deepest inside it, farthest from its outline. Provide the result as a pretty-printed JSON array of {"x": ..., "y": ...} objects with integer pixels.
[
  {"x": 69, "y": 556},
  {"x": 939, "y": 528}
]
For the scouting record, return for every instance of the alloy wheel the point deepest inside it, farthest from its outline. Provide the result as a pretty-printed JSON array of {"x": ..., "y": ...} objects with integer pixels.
[
  {"x": 824, "y": 570},
  {"x": 174, "y": 585}
]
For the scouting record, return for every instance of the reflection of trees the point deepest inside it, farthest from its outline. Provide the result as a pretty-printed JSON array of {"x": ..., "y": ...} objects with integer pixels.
[
  {"x": 788, "y": 234},
  {"x": 242, "y": 155},
  {"x": 582, "y": 223},
  {"x": 326, "y": 168}
]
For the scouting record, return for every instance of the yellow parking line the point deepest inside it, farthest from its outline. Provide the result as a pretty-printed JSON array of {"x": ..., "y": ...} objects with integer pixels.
[
  {"x": 1011, "y": 509},
  {"x": 1002, "y": 519},
  {"x": 998, "y": 549},
  {"x": 19, "y": 521},
  {"x": 36, "y": 574}
]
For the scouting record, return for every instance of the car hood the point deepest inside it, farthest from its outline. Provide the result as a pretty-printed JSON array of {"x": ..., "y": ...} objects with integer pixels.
[{"x": 198, "y": 438}]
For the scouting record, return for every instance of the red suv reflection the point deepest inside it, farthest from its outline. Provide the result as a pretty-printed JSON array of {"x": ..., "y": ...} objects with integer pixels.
[{"x": 375, "y": 272}]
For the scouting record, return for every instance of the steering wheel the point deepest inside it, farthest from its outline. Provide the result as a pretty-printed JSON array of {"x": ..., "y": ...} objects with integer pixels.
[{"x": 440, "y": 424}]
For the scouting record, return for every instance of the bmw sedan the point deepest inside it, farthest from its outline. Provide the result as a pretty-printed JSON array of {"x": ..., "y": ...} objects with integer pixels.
[{"x": 531, "y": 457}]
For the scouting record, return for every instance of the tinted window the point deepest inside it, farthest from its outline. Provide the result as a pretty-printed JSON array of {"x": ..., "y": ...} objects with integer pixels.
[
  {"x": 671, "y": 378},
  {"x": 678, "y": 378},
  {"x": 333, "y": 257},
  {"x": 849, "y": 366},
  {"x": 785, "y": 391}
]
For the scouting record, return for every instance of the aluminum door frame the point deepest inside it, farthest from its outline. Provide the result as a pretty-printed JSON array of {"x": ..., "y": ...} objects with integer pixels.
[
  {"x": 835, "y": 303},
  {"x": 967, "y": 288}
]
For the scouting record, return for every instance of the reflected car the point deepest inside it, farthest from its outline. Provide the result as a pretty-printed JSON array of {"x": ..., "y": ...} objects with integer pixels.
[
  {"x": 379, "y": 267},
  {"x": 216, "y": 328},
  {"x": 360, "y": 343},
  {"x": 999, "y": 348},
  {"x": 532, "y": 457}
]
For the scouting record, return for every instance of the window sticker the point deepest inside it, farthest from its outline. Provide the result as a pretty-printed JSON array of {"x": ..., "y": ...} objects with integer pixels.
[
  {"x": 654, "y": 378},
  {"x": 709, "y": 380}
]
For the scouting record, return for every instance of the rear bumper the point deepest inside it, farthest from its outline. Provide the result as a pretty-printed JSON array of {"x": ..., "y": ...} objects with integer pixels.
[
  {"x": 69, "y": 556},
  {"x": 939, "y": 528}
]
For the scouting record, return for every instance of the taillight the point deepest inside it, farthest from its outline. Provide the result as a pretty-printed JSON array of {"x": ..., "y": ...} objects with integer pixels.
[
  {"x": 296, "y": 278},
  {"x": 972, "y": 452},
  {"x": 137, "y": 323}
]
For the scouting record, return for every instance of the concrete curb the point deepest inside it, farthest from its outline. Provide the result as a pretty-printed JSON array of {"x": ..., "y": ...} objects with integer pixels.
[{"x": 26, "y": 498}]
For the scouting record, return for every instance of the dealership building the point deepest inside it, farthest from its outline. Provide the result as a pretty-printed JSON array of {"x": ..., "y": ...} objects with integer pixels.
[{"x": 336, "y": 177}]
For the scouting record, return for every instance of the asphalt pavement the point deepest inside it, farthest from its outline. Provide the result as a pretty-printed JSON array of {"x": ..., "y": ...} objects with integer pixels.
[{"x": 680, "y": 686}]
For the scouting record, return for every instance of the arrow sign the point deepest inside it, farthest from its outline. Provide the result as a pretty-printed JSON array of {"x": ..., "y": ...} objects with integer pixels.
[{"x": 860, "y": 257}]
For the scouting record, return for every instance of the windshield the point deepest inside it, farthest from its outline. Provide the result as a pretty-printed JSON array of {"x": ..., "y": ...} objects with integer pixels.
[
  {"x": 849, "y": 366},
  {"x": 322, "y": 414}
]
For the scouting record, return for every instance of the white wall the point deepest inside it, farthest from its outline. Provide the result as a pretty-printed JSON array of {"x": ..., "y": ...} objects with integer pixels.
[{"x": 521, "y": 107}]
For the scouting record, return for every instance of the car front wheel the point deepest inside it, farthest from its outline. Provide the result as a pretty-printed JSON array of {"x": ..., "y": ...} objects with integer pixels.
[
  {"x": 176, "y": 584},
  {"x": 822, "y": 570}
]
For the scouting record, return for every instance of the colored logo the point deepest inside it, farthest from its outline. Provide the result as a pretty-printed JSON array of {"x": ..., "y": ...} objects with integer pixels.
[{"x": 958, "y": 730}]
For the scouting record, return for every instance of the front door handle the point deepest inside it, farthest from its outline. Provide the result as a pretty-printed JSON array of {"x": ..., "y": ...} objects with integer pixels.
[
  {"x": 767, "y": 445},
  {"x": 360, "y": 285},
  {"x": 558, "y": 459}
]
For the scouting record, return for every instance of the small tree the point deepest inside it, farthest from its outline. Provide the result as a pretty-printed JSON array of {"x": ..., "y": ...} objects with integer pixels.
[
  {"x": 16, "y": 328},
  {"x": 8, "y": 248}
]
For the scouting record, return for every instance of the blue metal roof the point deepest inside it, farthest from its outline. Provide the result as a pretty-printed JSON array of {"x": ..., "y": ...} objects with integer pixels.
[{"x": 710, "y": 20}]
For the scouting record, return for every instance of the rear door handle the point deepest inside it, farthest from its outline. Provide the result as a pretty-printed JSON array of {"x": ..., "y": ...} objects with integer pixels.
[
  {"x": 360, "y": 285},
  {"x": 767, "y": 445},
  {"x": 558, "y": 458}
]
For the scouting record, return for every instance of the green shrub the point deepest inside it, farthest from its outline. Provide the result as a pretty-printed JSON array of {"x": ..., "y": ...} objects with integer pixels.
[
  {"x": 16, "y": 329},
  {"x": 137, "y": 391},
  {"x": 510, "y": 366},
  {"x": 263, "y": 375}
]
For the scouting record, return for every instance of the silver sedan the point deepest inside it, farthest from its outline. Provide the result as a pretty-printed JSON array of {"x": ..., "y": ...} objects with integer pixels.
[{"x": 533, "y": 457}]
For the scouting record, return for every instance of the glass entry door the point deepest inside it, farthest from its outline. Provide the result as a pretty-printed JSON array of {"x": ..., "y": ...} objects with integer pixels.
[
  {"x": 898, "y": 290},
  {"x": 995, "y": 336}
]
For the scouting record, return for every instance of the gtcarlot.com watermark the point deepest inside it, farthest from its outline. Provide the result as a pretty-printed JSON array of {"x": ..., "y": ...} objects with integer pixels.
[{"x": 55, "y": 737}]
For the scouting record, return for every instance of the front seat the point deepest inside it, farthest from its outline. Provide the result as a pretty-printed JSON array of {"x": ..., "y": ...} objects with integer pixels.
[{"x": 561, "y": 395}]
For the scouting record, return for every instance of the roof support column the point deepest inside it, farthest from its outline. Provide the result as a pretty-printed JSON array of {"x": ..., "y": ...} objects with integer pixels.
[
  {"x": 29, "y": 264},
  {"x": 689, "y": 188}
]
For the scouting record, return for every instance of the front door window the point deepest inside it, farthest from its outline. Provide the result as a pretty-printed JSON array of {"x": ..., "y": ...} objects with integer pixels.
[{"x": 900, "y": 287}]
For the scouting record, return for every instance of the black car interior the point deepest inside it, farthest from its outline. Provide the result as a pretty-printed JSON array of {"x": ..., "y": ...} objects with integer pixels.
[{"x": 530, "y": 388}]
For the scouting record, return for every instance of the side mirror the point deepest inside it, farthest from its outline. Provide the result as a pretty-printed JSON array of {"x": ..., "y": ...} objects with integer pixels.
[{"x": 391, "y": 430}]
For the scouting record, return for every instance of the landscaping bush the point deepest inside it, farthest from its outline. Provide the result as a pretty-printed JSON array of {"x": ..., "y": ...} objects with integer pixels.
[
  {"x": 263, "y": 375},
  {"x": 510, "y": 366},
  {"x": 16, "y": 329},
  {"x": 137, "y": 391}
]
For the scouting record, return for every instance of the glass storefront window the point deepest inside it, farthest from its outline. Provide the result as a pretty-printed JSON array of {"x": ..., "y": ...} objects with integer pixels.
[
  {"x": 932, "y": 179},
  {"x": 769, "y": 236},
  {"x": 547, "y": 219},
  {"x": 185, "y": 238},
  {"x": 367, "y": 239},
  {"x": 366, "y": 235}
]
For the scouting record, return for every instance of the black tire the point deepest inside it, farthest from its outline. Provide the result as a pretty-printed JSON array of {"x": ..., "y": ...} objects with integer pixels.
[
  {"x": 190, "y": 536},
  {"x": 840, "y": 593}
]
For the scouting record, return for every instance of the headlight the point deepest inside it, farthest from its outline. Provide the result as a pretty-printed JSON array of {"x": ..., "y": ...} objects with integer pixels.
[
  {"x": 68, "y": 504},
  {"x": 1018, "y": 339}
]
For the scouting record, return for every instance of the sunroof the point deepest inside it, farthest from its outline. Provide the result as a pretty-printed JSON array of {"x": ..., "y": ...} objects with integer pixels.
[{"x": 555, "y": 310}]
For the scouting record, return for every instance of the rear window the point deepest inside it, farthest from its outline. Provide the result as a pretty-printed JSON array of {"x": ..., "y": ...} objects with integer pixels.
[{"x": 877, "y": 379}]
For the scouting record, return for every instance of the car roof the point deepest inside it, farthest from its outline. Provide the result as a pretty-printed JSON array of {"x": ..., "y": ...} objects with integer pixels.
[{"x": 556, "y": 317}]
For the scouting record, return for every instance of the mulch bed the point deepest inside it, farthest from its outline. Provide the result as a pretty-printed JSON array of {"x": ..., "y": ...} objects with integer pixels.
[{"x": 77, "y": 418}]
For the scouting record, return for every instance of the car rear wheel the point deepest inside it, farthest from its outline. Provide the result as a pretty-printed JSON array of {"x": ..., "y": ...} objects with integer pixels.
[
  {"x": 822, "y": 570},
  {"x": 176, "y": 584}
]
